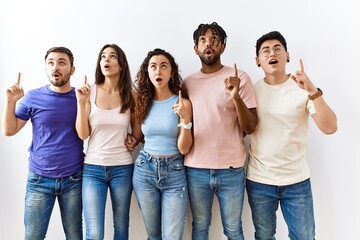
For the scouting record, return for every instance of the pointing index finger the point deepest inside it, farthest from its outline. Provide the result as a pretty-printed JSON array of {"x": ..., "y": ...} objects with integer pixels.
[
  {"x": 18, "y": 79},
  {"x": 180, "y": 96},
  {"x": 236, "y": 71},
  {"x": 85, "y": 80},
  {"x": 301, "y": 65}
]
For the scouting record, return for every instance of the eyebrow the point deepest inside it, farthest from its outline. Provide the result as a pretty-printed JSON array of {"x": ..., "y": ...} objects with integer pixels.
[
  {"x": 60, "y": 59},
  {"x": 151, "y": 63},
  {"x": 276, "y": 45},
  {"x": 109, "y": 52}
]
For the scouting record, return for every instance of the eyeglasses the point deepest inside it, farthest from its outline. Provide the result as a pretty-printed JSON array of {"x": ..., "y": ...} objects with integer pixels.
[{"x": 265, "y": 52}]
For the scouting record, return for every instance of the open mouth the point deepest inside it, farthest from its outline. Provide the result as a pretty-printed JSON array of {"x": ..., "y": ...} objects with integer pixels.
[
  {"x": 273, "y": 61},
  {"x": 158, "y": 79},
  {"x": 56, "y": 74},
  {"x": 106, "y": 66},
  {"x": 208, "y": 52}
]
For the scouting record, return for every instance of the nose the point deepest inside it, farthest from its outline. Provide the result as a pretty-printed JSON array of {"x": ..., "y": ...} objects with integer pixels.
[{"x": 272, "y": 52}]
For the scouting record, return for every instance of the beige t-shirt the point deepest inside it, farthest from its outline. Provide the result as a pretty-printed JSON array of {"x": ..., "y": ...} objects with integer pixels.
[
  {"x": 279, "y": 144},
  {"x": 109, "y": 128},
  {"x": 218, "y": 139}
]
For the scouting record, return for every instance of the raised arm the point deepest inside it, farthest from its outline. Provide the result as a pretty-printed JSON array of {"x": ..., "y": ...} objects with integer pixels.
[
  {"x": 325, "y": 119},
  {"x": 184, "y": 110},
  {"x": 10, "y": 123},
  {"x": 83, "y": 110},
  {"x": 247, "y": 118}
]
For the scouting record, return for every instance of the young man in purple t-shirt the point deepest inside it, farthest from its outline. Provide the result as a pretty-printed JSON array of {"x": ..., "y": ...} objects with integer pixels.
[{"x": 56, "y": 151}]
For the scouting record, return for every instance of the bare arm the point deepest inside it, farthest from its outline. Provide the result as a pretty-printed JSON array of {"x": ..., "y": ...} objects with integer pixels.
[
  {"x": 247, "y": 118},
  {"x": 325, "y": 118},
  {"x": 83, "y": 111},
  {"x": 10, "y": 123},
  {"x": 184, "y": 110}
]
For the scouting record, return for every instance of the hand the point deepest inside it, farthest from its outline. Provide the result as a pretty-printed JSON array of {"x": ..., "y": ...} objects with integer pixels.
[
  {"x": 15, "y": 92},
  {"x": 303, "y": 80},
  {"x": 181, "y": 109},
  {"x": 232, "y": 84},
  {"x": 130, "y": 142},
  {"x": 83, "y": 93}
]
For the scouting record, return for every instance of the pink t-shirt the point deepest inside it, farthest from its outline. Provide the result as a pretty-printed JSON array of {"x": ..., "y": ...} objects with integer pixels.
[{"x": 218, "y": 139}]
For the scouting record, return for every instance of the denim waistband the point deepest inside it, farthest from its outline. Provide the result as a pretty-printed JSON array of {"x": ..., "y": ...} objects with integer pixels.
[{"x": 150, "y": 157}]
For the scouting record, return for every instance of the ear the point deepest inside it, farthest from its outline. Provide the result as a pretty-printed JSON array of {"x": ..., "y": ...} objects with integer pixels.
[
  {"x": 287, "y": 57},
  {"x": 223, "y": 46},
  {"x": 257, "y": 61},
  {"x": 196, "y": 50},
  {"x": 72, "y": 70}
]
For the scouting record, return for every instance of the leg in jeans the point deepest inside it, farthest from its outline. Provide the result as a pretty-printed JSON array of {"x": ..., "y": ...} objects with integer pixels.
[
  {"x": 173, "y": 186},
  {"x": 120, "y": 192},
  {"x": 230, "y": 188},
  {"x": 147, "y": 194},
  {"x": 264, "y": 201},
  {"x": 201, "y": 196},
  {"x": 39, "y": 202},
  {"x": 94, "y": 194},
  {"x": 70, "y": 204},
  {"x": 297, "y": 207}
]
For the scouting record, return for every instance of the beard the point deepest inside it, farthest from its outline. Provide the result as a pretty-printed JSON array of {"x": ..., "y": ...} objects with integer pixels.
[
  {"x": 209, "y": 61},
  {"x": 61, "y": 82}
]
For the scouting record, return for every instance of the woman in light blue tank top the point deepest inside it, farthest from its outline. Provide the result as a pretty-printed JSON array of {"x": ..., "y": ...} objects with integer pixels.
[{"x": 162, "y": 120}]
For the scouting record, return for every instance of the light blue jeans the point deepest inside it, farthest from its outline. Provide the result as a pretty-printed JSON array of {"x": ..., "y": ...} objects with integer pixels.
[
  {"x": 96, "y": 182},
  {"x": 41, "y": 193},
  {"x": 296, "y": 204},
  {"x": 161, "y": 190},
  {"x": 229, "y": 186}
]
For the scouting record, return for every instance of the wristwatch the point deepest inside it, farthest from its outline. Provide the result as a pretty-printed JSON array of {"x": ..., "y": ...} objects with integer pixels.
[{"x": 186, "y": 126}]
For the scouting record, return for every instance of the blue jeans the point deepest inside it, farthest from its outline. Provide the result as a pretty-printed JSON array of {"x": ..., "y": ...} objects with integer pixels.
[
  {"x": 96, "y": 182},
  {"x": 161, "y": 190},
  {"x": 229, "y": 187},
  {"x": 296, "y": 204},
  {"x": 41, "y": 193}
]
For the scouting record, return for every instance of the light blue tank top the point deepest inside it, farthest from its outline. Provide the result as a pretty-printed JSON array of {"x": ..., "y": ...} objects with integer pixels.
[{"x": 160, "y": 128}]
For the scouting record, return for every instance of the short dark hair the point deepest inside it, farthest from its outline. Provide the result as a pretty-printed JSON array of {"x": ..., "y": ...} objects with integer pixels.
[
  {"x": 274, "y": 35},
  {"x": 214, "y": 27},
  {"x": 62, "y": 50}
]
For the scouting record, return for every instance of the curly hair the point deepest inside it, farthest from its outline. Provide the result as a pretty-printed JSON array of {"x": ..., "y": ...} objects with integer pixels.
[
  {"x": 214, "y": 27},
  {"x": 125, "y": 84},
  {"x": 145, "y": 90}
]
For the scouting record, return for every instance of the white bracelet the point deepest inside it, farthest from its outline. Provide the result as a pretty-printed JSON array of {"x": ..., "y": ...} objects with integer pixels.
[{"x": 186, "y": 126}]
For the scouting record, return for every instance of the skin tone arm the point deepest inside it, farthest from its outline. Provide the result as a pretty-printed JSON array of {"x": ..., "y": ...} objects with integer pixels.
[
  {"x": 184, "y": 110},
  {"x": 136, "y": 135},
  {"x": 247, "y": 117},
  {"x": 83, "y": 110},
  {"x": 10, "y": 123},
  {"x": 325, "y": 118}
]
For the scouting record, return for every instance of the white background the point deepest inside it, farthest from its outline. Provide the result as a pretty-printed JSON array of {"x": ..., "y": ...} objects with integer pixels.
[{"x": 324, "y": 33}]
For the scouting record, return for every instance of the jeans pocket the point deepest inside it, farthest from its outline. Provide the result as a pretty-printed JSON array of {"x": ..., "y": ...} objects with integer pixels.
[
  {"x": 76, "y": 176},
  {"x": 33, "y": 178},
  {"x": 177, "y": 164},
  {"x": 140, "y": 161}
]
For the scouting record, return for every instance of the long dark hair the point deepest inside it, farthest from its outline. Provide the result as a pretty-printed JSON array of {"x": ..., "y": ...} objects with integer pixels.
[{"x": 125, "y": 84}]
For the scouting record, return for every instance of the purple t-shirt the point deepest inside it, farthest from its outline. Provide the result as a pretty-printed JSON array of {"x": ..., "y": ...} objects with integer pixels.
[{"x": 56, "y": 150}]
